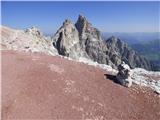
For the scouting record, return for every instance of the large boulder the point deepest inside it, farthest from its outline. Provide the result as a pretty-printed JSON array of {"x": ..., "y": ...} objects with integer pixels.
[{"x": 124, "y": 75}]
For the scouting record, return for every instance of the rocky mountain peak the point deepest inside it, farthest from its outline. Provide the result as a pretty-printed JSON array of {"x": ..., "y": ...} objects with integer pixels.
[
  {"x": 114, "y": 41},
  {"x": 83, "y": 25},
  {"x": 67, "y": 22},
  {"x": 125, "y": 53},
  {"x": 66, "y": 40},
  {"x": 86, "y": 30},
  {"x": 84, "y": 40},
  {"x": 82, "y": 18},
  {"x": 34, "y": 31}
]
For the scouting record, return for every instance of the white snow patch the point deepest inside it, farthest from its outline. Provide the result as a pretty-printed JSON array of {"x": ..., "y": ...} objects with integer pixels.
[
  {"x": 139, "y": 77},
  {"x": 102, "y": 66}
]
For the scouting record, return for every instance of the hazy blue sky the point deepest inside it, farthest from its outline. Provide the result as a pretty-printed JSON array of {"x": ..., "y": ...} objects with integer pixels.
[{"x": 106, "y": 16}]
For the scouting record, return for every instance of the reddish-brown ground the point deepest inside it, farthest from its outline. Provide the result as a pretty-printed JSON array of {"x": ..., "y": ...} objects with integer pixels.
[{"x": 37, "y": 86}]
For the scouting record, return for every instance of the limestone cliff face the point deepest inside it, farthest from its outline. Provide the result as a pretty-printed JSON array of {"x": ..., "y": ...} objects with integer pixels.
[
  {"x": 122, "y": 52},
  {"x": 66, "y": 40},
  {"x": 86, "y": 30},
  {"x": 91, "y": 41},
  {"x": 84, "y": 40}
]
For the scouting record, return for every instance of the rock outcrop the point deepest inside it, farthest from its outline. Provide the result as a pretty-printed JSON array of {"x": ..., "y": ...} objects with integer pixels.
[
  {"x": 66, "y": 40},
  {"x": 34, "y": 31},
  {"x": 120, "y": 51},
  {"x": 86, "y": 31},
  {"x": 124, "y": 75},
  {"x": 84, "y": 40},
  {"x": 31, "y": 40},
  {"x": 91, "y": 41}
]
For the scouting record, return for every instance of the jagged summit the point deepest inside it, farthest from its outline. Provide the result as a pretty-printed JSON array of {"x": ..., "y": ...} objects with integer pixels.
[
  {"x": 125, "y": 53},
  {"x": 84, "y": 40},
  {"x": 34, "y": 31},
  {"x": 113, "y": 38},
  {"x": 83, "y": 26},
  {"x": 79, "y": 40},
  {"x": 66, "y": 22},
  {"x": 66, "y": 40},
  {"x": 86, "y": 30},
  {"x": 82, "y": 18}
]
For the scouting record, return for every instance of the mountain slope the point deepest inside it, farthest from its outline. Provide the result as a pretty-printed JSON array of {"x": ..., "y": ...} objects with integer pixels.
[
  {"x": 30, "y": 40},
  {"x": 39, "y": 86}
]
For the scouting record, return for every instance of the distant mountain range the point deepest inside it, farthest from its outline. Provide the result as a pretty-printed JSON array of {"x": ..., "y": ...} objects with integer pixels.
[
  {"x": 146, "y": 44},
  {"x": 151, "y": 50},
  {"x": 133, "y": 38}
]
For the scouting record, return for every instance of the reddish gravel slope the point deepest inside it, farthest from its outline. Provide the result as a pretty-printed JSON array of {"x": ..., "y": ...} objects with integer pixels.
[{"x": 37, "y": 86}]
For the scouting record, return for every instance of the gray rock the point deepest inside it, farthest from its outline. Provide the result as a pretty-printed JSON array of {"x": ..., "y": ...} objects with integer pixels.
[
  {"x": 91, "y": 41},
  {"x": 66, "y": 40},
  {"x": 34, "y": 31},
  {"x": 84, "y": 40},
  {"x": 125, "y": 53},
  {"x": 124, "y": 75}
]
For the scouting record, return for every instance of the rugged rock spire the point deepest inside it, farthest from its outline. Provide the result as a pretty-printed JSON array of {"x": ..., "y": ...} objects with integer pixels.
[
  {"x": 125, "y": 53},
  {"x": 91, "y": 41},
  {"x": 83, "y": 40},
  {"x": 81, "y": 24},
  {"x": 86, "y": 30},
  {"x": 66, "y": 40}
]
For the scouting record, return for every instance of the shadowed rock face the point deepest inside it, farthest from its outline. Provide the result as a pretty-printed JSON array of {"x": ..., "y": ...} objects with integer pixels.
[
  {"x": 66, "y": 40},
  {"x": 91, "y": 41},
  {"x": 83, "y": 40},
  {"x": 124, "y": 53},
  {"x": 86, "y": 30}
]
